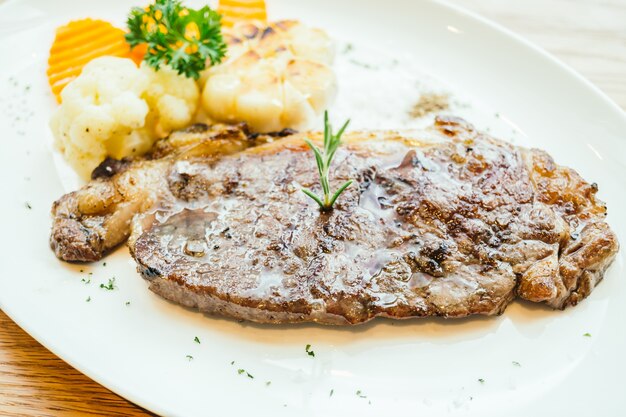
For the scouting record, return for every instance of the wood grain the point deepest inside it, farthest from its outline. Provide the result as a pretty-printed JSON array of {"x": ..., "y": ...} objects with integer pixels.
[
  {"x": 588, "y": 35},
  {"x": 34, "y": 382}
]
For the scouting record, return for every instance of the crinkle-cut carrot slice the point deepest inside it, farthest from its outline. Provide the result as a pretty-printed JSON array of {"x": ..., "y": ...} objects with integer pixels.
[
  {"x": 80, "y": 41},
  {"x": 234, "y": 11}
]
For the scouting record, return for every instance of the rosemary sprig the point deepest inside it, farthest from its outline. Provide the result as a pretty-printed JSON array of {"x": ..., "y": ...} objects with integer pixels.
[{"x": 323, "y": 158}]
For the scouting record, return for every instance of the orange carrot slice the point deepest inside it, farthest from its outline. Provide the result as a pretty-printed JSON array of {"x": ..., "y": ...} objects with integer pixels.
[
  {"x": 234, "y": 11},
  {"x": 80, "y": 41}
]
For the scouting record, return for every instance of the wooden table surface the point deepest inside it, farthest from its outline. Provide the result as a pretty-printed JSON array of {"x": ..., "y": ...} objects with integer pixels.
[{"x": 589, "y": 35}]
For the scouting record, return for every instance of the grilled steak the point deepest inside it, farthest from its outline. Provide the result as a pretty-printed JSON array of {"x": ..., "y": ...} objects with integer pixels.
[{"x": 443, "y": 222}]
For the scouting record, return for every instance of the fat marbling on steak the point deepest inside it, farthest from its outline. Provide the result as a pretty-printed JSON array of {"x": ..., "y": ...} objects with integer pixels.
[{"x": 441, "y": 222}]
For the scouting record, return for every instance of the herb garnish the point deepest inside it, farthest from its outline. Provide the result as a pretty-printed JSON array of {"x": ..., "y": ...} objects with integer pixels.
[
  {"x": 88, "y": 299},
  {"x": 587, "y": 335},
  {"x": 308, "y": 350},
  {"x": 195, "y": 339},
  {"x": 360, "y": 394},
  {"x": 323, "y": 158},
  {"x": 363, "y": 64},
  {"x": 332, "y": 391},
  {"x": 110, "y": 286},
  {"x": 189, "y": 358},
  {"x": 243, "y": 371},
  {"x": 127, "y": 303},
  {"x": 28, "y": 206},
  {"x": 516, "y": 363},
  {"x": 482, "y": 381},
  {"x": 179, "y": 36},
  {"x": 268, "y": 383}
]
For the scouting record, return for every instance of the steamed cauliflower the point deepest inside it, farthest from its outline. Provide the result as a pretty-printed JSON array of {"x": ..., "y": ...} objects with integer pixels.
[
  {"x": 116, "y": 109},
  {"x": 275, "y": 76},
  {"x": 173, "y": 97}
]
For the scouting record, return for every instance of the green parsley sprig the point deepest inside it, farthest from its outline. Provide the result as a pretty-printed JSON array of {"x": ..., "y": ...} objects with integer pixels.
[
  {"x": 323, "y": 158},
  {"x": 178, "y": 36},
  {"x": 309, "y": 351}
]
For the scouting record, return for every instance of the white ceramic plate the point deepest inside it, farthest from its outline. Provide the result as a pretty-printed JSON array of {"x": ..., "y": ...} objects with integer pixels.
[{"x": 419, "y": 367}]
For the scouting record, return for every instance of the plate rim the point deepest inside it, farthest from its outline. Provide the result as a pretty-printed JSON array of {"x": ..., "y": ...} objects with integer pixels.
[{"x": 150, "y": 406}]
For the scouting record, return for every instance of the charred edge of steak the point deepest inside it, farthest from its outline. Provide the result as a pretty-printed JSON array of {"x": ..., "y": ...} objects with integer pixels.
[
  {"x": 598, "y": 253},
  {"x": 211, "y": 304},
  {"x": 196, "y": 128},
  {"x": 174, "y": 291},
  {"x": 74, "y": 243},
  {"x": 280, "y": 134},
  {"x": 110, "y": 167}
]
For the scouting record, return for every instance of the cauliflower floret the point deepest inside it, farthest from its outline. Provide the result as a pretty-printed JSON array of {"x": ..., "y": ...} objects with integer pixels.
[
  {"x": 172, "y": 98},
  {"x": 275, "y": 76},
  {"x": 116, "y": 109}
]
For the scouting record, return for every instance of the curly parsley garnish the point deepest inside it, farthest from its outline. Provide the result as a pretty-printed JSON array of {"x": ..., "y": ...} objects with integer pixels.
[
  {"x": 323, "y": 158},
  {"x": 308, "y": 350},
  {"x": 178, "y": 36},
  {"x": 243, "y": 371},
  {"x": 110, "y": 286}
]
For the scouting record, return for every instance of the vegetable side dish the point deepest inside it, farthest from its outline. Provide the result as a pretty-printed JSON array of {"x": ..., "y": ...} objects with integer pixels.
[{"x": 271, "y": 76}]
